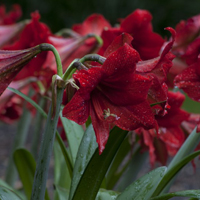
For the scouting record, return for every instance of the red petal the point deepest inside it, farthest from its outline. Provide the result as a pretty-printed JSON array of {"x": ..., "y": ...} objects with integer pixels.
[
  {"x": 101, "y": 128},
  {"x": 122, "y": 61},
  {"x": 146, "y": 42},
  {"x": 93, "y": 24},
  {"x": 77, "y": 109},
  {"x": 118, "y": 42},
  {"x": 189, "y": 81}
]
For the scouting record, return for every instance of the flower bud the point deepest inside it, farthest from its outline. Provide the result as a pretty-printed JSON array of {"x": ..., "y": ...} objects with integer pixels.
[{"x": 11, "y": 62}]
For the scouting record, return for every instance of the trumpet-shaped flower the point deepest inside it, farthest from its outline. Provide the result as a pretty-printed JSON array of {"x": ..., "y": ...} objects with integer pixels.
[{"x": 112, "y": 94}]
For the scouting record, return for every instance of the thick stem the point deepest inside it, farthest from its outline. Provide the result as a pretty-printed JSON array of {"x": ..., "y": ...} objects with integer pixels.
[{"x": 40, "y": 178}]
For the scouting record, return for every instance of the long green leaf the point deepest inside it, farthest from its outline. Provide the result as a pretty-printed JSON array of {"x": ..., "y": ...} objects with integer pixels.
[
  {"x": 74, "y": 134},
  {"x": 138, "y": 160},
  {"x": 188, "y": 147},
  {"x": 186, "y": 193},
  {"x": 97, "y": 167},
  {"x": 85, "y": 152},
  {"x": 25, "y": 164},
  {"x": 7, "y": 194},
  {"x": 144, "y": 187},
  {"x": 65, "y": 153},
  {"x": 28, "y": 100},
  {"x": 62, "y": 178},
  {"x": 113, "y": 174},
  {"x": 173, "y": 171}
]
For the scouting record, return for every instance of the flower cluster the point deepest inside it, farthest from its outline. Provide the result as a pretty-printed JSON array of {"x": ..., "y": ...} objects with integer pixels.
[{"x": 130, "y": 87}]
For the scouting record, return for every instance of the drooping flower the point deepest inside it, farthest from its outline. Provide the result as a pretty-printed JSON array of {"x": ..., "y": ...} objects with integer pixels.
[
  {"x": 80, "y": 42},
  {"x": 112, "y": 94},
  {"x": 11, "y": 62}
]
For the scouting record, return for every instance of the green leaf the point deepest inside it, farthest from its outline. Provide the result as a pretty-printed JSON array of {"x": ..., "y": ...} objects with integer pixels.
[
  {"x": 188, "y": 147},
  {"x": 106, "y": 195},
  {"x": 26, "y": 165},
  {"x": 173, "y": 171},
  {"x": 186, "y": 193},
  {"x": 62, "y": 177},
  {"x": 61, "y": 193},
  {"x": 29, "y": 100},
  {"x": 85, "y": 152},
  {"x": 191, "y": 105},
  {"x": 137, "y": 161},
  {"x": 7, "y": 194},
  {"x": 19, "y": 193},
  {"x": 114, "y": 173},
  {"x": 74, "y": 134},
  {"x": 144, "y": 187},
  {"x": 65, "y": 153},
  {"x": 92, "y": 176}
]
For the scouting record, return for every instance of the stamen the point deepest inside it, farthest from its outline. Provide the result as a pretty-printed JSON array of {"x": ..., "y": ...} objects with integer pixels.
[{"x": 107, "y": 114}]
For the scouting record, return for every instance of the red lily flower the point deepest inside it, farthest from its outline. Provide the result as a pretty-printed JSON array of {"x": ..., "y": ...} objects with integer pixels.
[
  {"x": 112, "y": 94},
  {"x": 33, "y": 34},
  {"x": 170, "y": 136},
  {"x": 12, "y": 16},
  {"x": 186, "y": 31},
  {"x": 138, "y": 25},
  {"x": 186, "y": 46},
  {"x": 189, "y": 81}
]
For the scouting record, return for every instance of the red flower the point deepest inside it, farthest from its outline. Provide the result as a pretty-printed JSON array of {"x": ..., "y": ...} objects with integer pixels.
[
  {"x": 112, "y": 94},
  {"x": 33, "y": 34},
  {"x": 187, "y": 31},
  {"x": 170, "y": 136},
  {"x": 80, "y": 41},
  {"x": 12, "y": 16},
  {"x": 189, "y": 81},
  {"x": 138, "y": 25},
  {"x": 10, "y": 105},
  {"x": 11, "y": 62}
]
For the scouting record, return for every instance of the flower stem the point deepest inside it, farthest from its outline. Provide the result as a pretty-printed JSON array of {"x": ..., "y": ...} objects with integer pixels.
[
  {"x": 69, "y": 70},
  {"x": 49, "y": 47},
  {"x": 40, "y": 178},
  {"x": 93, "y": 57}
]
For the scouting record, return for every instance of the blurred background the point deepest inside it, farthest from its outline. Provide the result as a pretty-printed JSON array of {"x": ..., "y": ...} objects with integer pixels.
[{"x": 58, "y": 14}]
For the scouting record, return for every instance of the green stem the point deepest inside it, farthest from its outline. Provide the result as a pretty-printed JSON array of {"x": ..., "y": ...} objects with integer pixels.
[
  {"x": 37, "y": 129},
  {"x": 49, "y": 47},
  {"x": 19, "y": 140},
  {"x": 93, "y": 57},
  {"x": 69, "y": 70},
  {"x": 40, "y": 178}
]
